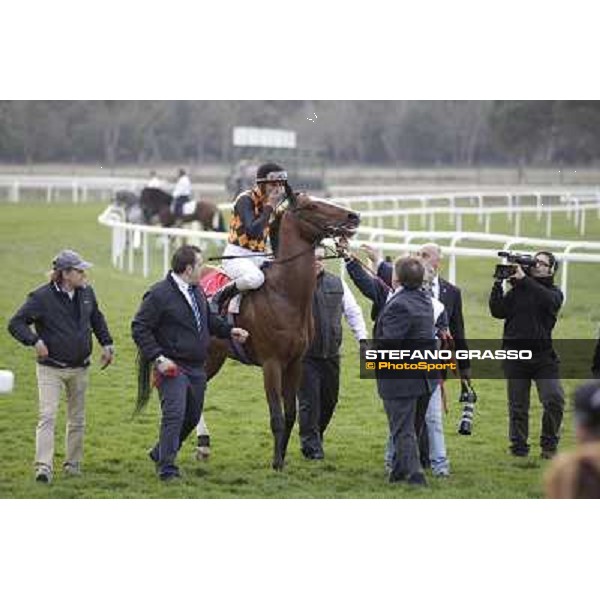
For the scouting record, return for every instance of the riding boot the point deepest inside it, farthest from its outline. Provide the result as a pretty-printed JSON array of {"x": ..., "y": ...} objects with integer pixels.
[{"x": 224, "y": 294}]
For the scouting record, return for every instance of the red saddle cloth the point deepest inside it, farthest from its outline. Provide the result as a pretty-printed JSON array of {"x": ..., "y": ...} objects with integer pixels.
[{"x": 213, "y": 281}]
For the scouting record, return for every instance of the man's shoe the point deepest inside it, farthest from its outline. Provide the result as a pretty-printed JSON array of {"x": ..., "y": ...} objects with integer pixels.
[
  {"x": 72, "y": 469},
  {"x": 416, "y": 479},
  {"x": 171, "y": 476},
  {"x": 441, "y": 474},
  {"x": 547, "y": 454},
  {"x": 43, "y": 475},
  {"x": 313, "y": 454},
  {"x": 519, "y": 453}
]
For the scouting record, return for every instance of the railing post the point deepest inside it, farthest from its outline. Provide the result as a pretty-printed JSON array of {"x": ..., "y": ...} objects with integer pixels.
[
  {"x": 130, "y": 248},
  {"x": 146, "y": 264},
  {"x": 565, "y": 271},
  {"x": 452, "y": 263},
  {"x": 166, "y": 244},
  {"x": 15, "y": 192}
]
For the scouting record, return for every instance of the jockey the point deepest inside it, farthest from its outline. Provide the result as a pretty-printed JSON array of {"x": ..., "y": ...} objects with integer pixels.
[
  {"x": 248, "y": 231},
  {"x": 182, "y": 193}
]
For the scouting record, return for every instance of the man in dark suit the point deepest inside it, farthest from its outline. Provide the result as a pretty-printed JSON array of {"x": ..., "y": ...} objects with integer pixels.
[
  {"x": 450, "y": 296},
  {"x": 407, "y": 317},
  {"x": 172, "y": 329},
  {"x": 447, "y": 293}
]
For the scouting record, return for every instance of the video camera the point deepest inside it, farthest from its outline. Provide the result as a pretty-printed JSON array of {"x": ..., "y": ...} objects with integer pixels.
[{"x": 507, "y": 271}]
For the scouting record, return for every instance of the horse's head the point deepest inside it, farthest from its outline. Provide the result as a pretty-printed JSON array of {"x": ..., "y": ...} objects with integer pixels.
[
  {"x": 318, "y": 219},
  {"x": 125, "y": 198}
]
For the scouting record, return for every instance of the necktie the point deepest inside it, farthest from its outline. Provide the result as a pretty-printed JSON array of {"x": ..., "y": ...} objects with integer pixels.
[{"x": 192, "y": 292}]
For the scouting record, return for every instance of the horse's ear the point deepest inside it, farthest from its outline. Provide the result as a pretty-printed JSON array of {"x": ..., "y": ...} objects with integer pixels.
[{"x": 292, "y": 197}]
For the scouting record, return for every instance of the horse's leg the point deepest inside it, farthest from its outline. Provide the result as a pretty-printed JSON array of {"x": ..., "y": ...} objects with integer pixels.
[
  {"x": 217, "y": 353},
  {"x": 291, "y": 381},
  {"x": 272, "y": 382}
]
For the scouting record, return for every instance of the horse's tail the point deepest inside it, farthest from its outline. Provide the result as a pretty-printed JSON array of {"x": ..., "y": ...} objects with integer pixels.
[{"x": 144, "y": 371}]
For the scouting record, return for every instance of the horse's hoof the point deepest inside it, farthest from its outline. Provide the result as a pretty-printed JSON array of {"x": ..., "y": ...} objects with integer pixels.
[{"x": 202, "y": 453}]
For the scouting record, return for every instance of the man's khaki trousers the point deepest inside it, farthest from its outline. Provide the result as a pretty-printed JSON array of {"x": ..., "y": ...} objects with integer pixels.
[{"x": 50, "y": 384}]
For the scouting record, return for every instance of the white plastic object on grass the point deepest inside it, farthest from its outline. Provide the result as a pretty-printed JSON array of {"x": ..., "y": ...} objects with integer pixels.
[{"x": 7, "y": 381}]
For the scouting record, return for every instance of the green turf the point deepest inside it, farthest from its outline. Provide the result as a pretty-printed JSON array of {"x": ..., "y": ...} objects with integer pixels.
[{"x": 115, "y": 463}]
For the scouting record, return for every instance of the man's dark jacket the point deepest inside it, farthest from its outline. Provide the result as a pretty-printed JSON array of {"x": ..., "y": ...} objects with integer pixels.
[
  {"x": 451, "y": 298},
  {"x": 406, "y": 317},
  {"x": 63, "y": 324},
  {"x": 165, "y": 324},
  {"x": 530, "y": 310}
]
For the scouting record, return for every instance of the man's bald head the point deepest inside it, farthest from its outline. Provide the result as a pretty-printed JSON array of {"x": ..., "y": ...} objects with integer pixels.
[{"x": 432, "y": 254}]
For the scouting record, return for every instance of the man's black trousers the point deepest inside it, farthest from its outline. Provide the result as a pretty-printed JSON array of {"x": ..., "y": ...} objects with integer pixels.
[
  {"x": 317, "y": 398},
  {"x": 542, "y": 369},
  {"x": 181, "y": 401}
]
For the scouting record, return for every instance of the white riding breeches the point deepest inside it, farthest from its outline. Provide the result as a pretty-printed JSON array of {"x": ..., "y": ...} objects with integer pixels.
[{"x": 245, "y": 271}]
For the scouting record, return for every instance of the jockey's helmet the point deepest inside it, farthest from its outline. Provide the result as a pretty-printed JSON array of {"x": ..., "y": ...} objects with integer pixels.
[{"x": 271, "y": 173}]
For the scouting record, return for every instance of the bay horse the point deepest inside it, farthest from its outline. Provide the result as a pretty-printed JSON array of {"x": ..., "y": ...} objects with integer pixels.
[
  {"x": 278, "y": 315},
  {"x": 155, "y": 202}
]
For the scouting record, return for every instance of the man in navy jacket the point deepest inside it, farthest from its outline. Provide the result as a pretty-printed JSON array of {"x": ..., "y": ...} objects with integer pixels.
[
  {"x": 172, "y": 328},
  {"x": 406, "y": 318},
  {"x": 448, "y": 294}
]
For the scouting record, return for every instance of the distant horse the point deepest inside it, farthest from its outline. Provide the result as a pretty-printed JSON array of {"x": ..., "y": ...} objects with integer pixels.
[
  {"x": 279, "y": 314},
  {"x": 130, "y": 202},
  {"x": 156, "y": 203}
]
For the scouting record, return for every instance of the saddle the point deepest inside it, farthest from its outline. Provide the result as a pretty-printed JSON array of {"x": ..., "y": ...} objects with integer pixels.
[
  {"x": 189, "y": 208},
  {"x": 212, "y": 280}
]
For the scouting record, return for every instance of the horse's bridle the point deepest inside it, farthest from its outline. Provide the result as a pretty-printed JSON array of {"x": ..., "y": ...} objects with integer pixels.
[{"x": 335, "y": 230}]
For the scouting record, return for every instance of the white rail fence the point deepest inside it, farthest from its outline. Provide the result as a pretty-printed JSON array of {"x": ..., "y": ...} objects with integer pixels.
[
  {"x": 127, "y": 237},
  {"x": 564, "y": 250},
  {"x": 78, "y": 189}
]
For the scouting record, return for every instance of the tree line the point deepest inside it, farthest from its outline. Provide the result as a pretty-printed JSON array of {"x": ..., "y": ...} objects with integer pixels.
[{"x": 443, "y": 132}]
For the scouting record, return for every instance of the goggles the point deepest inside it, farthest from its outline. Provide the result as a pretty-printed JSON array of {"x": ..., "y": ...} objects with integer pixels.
[{"x": 273, "y": 177}]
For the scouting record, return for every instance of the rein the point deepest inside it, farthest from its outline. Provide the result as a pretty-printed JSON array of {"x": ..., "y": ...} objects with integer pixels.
[{"x": 327, "y": 231}]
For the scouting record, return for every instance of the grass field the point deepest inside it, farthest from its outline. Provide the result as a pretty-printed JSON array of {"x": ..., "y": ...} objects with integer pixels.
[{"x": 116, "y": 465}]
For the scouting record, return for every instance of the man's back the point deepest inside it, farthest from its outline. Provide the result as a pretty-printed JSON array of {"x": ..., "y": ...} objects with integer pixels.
[
  {"x": 408, "y": 315},
  {"x": 408, "y": 320}
]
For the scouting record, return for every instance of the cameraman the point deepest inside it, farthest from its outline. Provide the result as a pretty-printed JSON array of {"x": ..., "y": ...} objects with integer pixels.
[{"x": 529, "y": 310}]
